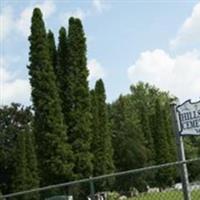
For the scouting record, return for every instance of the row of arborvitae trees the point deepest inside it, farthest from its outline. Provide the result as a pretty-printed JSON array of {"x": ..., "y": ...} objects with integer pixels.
[
  {"x": 61, "y": 103},
  {"x": 71, "y": 133}
]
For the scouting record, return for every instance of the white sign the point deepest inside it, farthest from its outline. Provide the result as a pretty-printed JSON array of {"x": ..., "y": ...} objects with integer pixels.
[{"x": 189, "y": 118}]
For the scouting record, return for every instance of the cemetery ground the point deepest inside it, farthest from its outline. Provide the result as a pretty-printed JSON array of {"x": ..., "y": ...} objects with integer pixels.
[{"x": 170, "y": 195}]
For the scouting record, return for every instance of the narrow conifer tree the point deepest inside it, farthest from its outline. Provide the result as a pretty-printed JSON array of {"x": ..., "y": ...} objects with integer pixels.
[
  {"x": 164, "y": 177},
  {"x": 128, "y": 143},
  {"x": 170, "y": 133},
  {"x": 101, "y": 138},
  {"x": 101, "y": 135},
  {"x": 31, "y": 160},
  {"x": 52, "y": 50},
  {"x": 65, "y": 77},
  {"x": 79, "y": 117},
  {"x": 140, "y": 98},
  {"x": 19, "y": 179},
  {"x": 54, "y": 153},
  {"x": 25, "y": 174}
]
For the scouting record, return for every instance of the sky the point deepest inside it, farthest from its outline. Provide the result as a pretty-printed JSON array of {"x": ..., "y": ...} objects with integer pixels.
[{"x": 154, "y": 41}]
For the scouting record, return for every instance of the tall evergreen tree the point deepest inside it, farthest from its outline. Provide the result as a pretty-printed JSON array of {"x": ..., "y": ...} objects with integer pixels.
[
  {"x": 128, "y": 142},
  {"x": 94, "y": 121},
  {"x": 79, "y": 117},
  {"x": 54, "y": 153},
  {"x": 31, "y": 160},
  {"x": 140, "y": 97},
  {"x": 65, "y": 77},
  {"x": 169, "y": 131},
  {"x": 25, "y": 174},
  {"x": 164, "y": 177},
  {"x": 52, "y": 50},
  {"x": 101, "y": 135},
  {"x": 19, "y": 179}
]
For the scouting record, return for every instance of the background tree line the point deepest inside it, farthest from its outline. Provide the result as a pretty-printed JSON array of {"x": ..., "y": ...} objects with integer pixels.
[{"x": 72, "y": 133}]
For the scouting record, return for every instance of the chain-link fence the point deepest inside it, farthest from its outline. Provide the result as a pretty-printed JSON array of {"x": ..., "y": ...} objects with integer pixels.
[{"x": 160, "y": 182}]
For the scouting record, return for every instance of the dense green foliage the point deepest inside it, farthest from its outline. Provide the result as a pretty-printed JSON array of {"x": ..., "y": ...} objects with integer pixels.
[
  {"x": 80, "y": 118},
  {"x": 128, "y": 141},
  {"x": 101, "y": 138},
  {"x": 18, "y": 163},
  {"x": 162, "y": 154},
  {"x": 54, "y": 153},
  {"x": 64, "y": 76},
  {"x": 142, "y": 134},
  {"x": 101, "y": 134},
  {"x": 24, "y": 172},
  {"x": 52, "y": 50}
]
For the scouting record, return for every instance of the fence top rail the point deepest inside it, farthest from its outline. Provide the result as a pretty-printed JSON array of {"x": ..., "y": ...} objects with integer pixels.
[{"x": 132, "y": 171}]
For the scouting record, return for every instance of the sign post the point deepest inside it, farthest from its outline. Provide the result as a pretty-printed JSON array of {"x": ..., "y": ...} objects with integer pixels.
[
  {"x": 186, "y": 121},
  {"x": 92, "y": 190}
]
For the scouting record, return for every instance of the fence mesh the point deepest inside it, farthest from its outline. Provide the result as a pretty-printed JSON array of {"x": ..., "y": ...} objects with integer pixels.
[{"x": 161, "y": 182}]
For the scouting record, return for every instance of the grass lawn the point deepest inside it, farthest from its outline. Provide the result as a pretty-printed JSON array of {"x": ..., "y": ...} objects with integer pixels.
[{"x": 172, "y": 195}]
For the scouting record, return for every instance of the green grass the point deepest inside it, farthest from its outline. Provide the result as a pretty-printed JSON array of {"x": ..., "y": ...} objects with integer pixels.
[{"x": 172, "y": 195}]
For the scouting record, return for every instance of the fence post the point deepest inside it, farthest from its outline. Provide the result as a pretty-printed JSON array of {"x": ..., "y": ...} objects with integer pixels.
[
  {"x": 181, "y": 154},
  {"x": 92, "y": 190}
]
